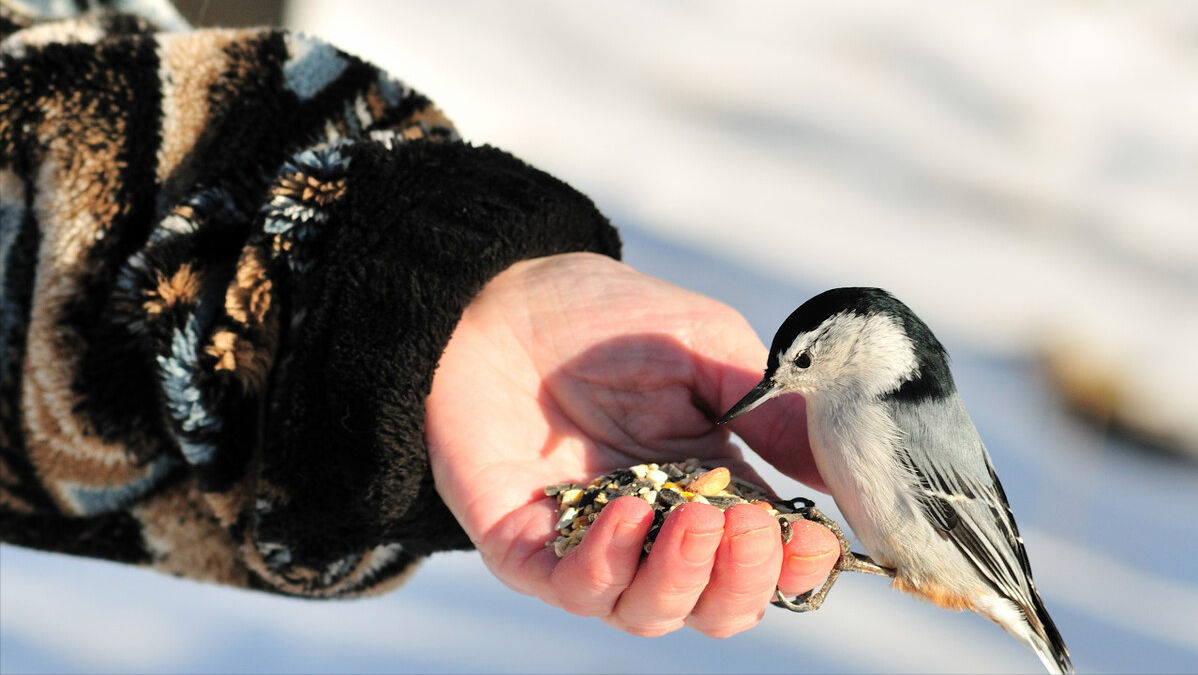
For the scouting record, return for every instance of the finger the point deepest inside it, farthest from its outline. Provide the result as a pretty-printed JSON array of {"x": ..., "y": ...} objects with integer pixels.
[
  {"x": 674, "y": 575},
  {"x": 778, "y": 432},
  {"x": 744, "y": 576},
  {"x": 808, "y": 557},
  {"x": 778, "y": 429},
  {"x": 514, "y": 549},
  {"x": 589, "y": 580}
]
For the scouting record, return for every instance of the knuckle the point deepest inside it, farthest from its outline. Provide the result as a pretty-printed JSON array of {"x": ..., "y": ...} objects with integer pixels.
[
  {"x": 726, "y": 626},
  {"x": 588, "y": 596},
  {"x": 725, "y": 631},
  {"x": 682, "y": 588},
  {"x": 653, "y": 629},
  {"x": 747, "y": 595},
  {"x": 597, "y": 584},
  {"x": 580, "y": 607}
]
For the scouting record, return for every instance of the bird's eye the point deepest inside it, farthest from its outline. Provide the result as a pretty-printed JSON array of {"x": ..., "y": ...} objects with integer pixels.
[{"x": 804, "y": 360}]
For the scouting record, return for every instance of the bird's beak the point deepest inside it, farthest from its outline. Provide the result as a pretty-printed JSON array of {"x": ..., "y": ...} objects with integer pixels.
[{"x": 764, "y": 391}]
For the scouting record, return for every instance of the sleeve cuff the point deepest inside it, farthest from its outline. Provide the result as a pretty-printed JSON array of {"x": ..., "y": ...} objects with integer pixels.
[{"x": 373, "y": 251}]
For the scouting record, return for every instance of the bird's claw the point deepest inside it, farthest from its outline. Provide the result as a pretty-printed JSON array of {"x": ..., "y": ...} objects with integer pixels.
[{"x": 847, "y": 562}]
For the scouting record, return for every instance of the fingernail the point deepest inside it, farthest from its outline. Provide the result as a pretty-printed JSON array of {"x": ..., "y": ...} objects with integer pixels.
[
  {"x": 753, "y": 546},
  {"x": 627, "y": 536},
  {"x": 806, "y": 565},
  {"x": 697, "y": 547}
]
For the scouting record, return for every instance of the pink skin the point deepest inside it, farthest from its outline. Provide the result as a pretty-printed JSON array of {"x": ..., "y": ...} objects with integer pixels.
[{"x": 567, "y": 367}]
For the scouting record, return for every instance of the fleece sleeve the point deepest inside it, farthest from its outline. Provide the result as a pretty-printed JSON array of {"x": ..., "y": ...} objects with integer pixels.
[{"x": 229, "y": 264}]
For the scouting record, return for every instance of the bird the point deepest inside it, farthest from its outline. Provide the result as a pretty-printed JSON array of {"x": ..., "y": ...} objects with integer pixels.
[{"x": 904, "y": 463}]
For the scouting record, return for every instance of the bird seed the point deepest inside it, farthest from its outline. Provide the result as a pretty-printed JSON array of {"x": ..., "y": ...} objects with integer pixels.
[{"x": 665, "y": 487}]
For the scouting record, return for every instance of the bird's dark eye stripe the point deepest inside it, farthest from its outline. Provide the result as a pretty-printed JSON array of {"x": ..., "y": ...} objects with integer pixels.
[{"x": 803, "y": 360}]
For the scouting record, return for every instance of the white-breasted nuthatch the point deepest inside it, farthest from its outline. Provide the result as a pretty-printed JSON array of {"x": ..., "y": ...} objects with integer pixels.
[{"x": 903, "y": 461}]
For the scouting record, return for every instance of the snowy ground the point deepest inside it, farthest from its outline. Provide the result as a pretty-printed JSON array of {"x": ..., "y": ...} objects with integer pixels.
[{"x": 1024, "y": 174}]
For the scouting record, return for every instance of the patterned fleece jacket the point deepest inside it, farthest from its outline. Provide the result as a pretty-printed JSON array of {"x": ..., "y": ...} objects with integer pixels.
[{"x": 229, "y": 263}]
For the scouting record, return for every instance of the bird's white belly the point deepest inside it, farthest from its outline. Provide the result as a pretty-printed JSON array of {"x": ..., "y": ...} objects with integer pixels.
[{"x": 876, "y": 493}]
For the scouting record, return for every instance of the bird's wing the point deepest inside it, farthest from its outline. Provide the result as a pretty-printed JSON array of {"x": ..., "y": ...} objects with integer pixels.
[{"x": 962, "y": 497}]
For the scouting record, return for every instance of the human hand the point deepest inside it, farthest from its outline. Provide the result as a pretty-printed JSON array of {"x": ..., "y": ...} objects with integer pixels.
[{"x": 568, "y": 367}]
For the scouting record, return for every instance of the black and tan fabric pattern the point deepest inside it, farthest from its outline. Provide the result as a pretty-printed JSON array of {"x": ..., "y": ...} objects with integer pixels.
[{"x": 229, "y": 263}]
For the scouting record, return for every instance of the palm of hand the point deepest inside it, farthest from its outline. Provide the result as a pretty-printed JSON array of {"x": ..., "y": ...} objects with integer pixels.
[{"x": 562, "y": 369}]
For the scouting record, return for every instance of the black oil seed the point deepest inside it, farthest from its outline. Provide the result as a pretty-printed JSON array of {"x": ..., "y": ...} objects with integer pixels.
[
  {"x": 724, "y": 501},
  {"x": 670, "y": 497},
  {"x": 587, "y": 498},
  {"x": 622, "y": 476}
]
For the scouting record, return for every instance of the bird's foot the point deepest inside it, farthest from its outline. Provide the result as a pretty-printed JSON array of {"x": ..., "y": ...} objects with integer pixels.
[{"x": 848, "y": 561}]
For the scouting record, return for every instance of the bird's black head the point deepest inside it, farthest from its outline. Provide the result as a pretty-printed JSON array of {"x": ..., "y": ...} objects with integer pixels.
[{"x": 820, "y": 317}]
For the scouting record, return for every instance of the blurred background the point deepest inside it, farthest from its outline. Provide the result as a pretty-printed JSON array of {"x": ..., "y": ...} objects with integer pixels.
[{"x": 1024, "y": 174}]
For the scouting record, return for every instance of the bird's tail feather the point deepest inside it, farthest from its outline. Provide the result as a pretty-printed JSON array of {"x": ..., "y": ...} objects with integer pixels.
[
  {"x": 1047, "y": 642},
  {"x": 1054, "y": 661}
]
